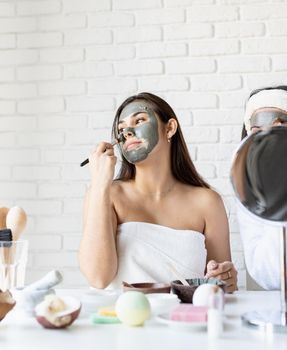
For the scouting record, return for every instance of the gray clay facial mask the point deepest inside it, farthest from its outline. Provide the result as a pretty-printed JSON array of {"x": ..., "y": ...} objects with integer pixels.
[
  {"x": 146, "y": 134},
  {"x": 267, "y": 118}
]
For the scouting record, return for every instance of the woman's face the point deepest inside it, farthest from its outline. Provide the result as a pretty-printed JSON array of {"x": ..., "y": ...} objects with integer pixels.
[
  {"x": 139, "y": 126},
  {"x": 265, "y": 117}
]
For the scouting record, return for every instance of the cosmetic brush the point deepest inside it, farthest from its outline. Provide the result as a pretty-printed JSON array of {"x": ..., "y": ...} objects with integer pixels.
[
  {"x": 6, "y": 235},
  {"x": 15, "y": 222},
  {"x": 118, "y": 140}
]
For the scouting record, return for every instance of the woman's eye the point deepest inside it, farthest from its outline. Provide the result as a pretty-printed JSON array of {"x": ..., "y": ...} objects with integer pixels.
[
  {"x": 120, "y": 131},
  {"x": 140, "y": 120}
]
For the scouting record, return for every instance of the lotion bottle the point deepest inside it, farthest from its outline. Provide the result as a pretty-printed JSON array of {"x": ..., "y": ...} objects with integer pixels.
[{"x": 215, "y": 315}]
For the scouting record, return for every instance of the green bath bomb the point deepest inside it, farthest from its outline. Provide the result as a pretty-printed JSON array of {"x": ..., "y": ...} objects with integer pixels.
[{"x": 133, "y": 308}]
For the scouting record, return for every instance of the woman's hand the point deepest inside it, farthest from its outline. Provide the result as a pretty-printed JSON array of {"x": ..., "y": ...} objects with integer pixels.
[
  {"x": 102, "y": 164},
  {"x": 224, "y": 271}
]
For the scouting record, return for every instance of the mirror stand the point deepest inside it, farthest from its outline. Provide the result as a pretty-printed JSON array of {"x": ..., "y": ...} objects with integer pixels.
[{"x": 273, "y": 320}]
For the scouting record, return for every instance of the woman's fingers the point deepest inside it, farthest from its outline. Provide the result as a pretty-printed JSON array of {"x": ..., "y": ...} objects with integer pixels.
[
  {"x": 224, "y": 271},
  {"x": 219, "y": 269},
  {"x": 109, "y": 152},
  {"x": 230, "y": 279},
  {"x": 102, "y": 160},
  {"x": 103, "y": 147},
  {"x": 227, "y": 276},
  {"x": 231, "y": 282},
  {"x": 211, "y": 265},
  {"x": 231, "y": 288}
]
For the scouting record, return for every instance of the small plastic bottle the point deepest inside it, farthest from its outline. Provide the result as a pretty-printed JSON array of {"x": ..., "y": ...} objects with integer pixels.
[{"x": 215, "y": 315}]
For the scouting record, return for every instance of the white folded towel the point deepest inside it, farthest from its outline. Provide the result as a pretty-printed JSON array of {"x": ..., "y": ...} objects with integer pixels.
[{"x": 144, "y": 250}]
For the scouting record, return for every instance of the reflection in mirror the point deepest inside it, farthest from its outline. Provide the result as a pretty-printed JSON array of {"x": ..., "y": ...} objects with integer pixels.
[
  {"x": 259, "y": 174},
  {"x": 259, "y": 179}
]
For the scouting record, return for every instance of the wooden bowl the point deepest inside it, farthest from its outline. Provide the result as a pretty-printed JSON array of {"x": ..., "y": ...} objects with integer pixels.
[
  {"x": 147, "y": 287},
  {"x": 185, "y": 293}
]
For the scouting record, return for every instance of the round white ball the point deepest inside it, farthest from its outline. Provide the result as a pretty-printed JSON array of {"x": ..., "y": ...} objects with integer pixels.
[
  {"x": 133, "y": 308},
  {"x": 201, "y": 296}
]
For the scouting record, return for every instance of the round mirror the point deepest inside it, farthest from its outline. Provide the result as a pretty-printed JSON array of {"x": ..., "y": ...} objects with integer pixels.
[
  {"x": 259, "y": 174},
  {"x": 259, "y": 179}
]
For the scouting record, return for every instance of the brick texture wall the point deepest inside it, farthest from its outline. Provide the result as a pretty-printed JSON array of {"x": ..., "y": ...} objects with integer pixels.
[{"x": 65, "y": 65}]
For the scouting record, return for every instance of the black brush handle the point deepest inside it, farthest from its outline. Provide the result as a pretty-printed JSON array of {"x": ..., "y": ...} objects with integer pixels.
[
  {"x": 6, "y": 237},
  {"x": 85, "y": 162}
]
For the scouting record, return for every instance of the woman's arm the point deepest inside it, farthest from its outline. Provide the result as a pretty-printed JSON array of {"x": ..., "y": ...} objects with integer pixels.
[
  {"x": 98, "y": 254},
  {"x": 217, "y": 242},
  {"x": 216, "y": 229}
]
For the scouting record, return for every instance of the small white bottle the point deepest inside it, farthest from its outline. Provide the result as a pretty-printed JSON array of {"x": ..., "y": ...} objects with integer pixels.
[{"x": 215, "y": 315}]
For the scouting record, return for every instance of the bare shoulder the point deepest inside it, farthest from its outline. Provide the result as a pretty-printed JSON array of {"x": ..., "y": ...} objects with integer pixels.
[
  {"x": 211, "y": 205},
  {"x": 209, "y": 195},
  {"x": 201, "y": 192},
  {"x": 203, "y": 196},
  {"x": 119, "y": 189}
]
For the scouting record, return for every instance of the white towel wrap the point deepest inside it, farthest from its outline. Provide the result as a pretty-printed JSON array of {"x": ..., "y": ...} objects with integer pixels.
[{"x": 144, "y": 250}]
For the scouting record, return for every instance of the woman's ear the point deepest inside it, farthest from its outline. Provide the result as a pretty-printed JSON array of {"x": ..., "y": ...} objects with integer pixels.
[{"x": 171, "y": 128}]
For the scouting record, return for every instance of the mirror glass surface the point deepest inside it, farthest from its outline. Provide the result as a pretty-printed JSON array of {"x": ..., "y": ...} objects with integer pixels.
[{"x": 259, "y": 174}]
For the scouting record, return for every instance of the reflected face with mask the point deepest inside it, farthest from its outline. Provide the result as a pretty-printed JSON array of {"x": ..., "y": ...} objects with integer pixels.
[
  {"x": 138, "y": 130},
  {"x": 267, "y": 117}
]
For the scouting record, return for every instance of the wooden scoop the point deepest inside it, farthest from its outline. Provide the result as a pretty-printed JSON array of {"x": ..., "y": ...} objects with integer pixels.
[
  {"x": 16, "y": 220},
  {"x": 3, "y": 214},
  {"x": 126, "y": 284}
]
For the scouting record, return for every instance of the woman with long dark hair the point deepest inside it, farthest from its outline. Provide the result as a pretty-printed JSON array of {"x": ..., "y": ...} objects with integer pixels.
[{"x": 157, "y": 212}]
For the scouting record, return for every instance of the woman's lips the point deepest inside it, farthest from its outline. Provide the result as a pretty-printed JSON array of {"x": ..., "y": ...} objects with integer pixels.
[{"x": 132, "y": 144}]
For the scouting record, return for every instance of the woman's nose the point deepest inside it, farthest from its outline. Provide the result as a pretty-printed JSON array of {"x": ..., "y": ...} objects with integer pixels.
[{"x": 128, "y": 132}]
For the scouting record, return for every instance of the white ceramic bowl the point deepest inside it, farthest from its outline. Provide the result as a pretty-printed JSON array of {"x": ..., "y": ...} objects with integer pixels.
[
  {"x": 162, "y": 302},
  {"x": 94, "y": 299}
]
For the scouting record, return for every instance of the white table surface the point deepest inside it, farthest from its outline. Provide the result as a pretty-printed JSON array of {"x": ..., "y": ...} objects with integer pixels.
[{"x": 19, "y": 332}]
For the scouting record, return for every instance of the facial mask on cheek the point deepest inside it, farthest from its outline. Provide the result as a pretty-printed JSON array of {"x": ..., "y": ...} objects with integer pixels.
[
  {"x": 147, "y": 133},
  {"x": 262, "y": 119}
]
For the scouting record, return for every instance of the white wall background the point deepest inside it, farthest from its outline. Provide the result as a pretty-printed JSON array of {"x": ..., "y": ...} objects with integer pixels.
[{"x": 65, "y": 65}]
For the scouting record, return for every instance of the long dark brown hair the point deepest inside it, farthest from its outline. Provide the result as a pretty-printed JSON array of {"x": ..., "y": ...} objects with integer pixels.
[
  {"x": 254, "y": 92},
  {"x": 182, "y": 166}
]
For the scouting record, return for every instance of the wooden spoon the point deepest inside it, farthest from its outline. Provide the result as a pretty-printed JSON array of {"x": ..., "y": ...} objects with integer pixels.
[
  {"x": 16, "y": 220},
  {"x": 3, "y": 214},
  {"x": 177, "y": 274}
]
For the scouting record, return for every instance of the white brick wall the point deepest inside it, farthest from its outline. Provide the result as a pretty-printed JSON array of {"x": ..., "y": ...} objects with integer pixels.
[{"x": 65, "y": 65}]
